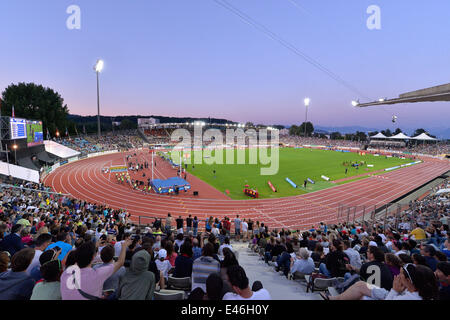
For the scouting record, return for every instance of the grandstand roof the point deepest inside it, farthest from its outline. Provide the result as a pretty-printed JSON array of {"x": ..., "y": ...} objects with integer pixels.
[
  {"x": 401, "y": 136},
  {"x": 424, "y": 136},
  {"x": 432, "y": 94},
  {"x": 379, "y": 135}
]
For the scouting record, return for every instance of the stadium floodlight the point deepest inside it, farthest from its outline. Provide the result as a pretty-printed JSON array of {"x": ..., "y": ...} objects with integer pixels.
[
  {"x": 355, "y": 103},
  {"x": 98, "y": 68},
  {"x": 99, "y": 65},
  {"x": 382, "y": 99},
  {"x": 306, "y": 101}
]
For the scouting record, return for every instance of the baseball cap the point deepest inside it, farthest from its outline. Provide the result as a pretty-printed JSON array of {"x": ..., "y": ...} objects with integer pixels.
[
  {"x": 373, "y": 243},
  {"x": 162, "y": 253}
]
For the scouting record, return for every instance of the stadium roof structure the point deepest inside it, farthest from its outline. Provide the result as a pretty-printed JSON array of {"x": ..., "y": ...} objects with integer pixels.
[
  {"x": 379, "y": 135},
  {"x": 424, "y": 136},
  {"x": 400, "y": 136},
  {"x": 432, "y": 94}
]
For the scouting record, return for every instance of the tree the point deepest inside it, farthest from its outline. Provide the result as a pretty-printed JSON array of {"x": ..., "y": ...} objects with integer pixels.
[
  {"x": 360, "y": 136},
  {"x": 249, "y": 124},
  {"x": 309, "y": 128},
  {"x": 397, "y": 131},
  {"x": 419, "y": 131},
  {"x": 293, "y": 130},
  {"x": 386, "y": 132},
  {"x": 127, "y": 124},
  {"x": 34, "y": 102},
  {"x": 336, "y": 135}
]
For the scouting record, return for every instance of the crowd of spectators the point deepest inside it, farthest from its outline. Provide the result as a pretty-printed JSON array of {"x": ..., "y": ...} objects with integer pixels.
[
  {"x": 54, "y": 247},
  {"x": 49, "y": 240},
  {"x": 428, "y": 148},
  {"x": 119, "y": 140},
  {"x": 407, "y": 258}
]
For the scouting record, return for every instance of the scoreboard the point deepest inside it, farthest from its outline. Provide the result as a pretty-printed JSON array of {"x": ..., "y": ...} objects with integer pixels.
[{"x": 18, "y": 128}]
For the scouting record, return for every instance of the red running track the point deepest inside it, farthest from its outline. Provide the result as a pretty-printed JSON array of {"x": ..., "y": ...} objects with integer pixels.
[{"x": 84, "y": 180}]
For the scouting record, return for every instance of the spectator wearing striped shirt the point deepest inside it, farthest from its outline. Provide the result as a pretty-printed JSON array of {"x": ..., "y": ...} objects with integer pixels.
[{"x": 203, "y": 267}]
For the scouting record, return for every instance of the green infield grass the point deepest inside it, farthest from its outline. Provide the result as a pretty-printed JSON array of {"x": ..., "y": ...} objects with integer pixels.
[{"x": 295, "y": 164}]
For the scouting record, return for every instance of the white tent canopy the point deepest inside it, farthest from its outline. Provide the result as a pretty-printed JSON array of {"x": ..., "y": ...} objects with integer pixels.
[
  {"x": 443, "y": 191},
  {"x": 424, "y": 136},
  {"x": 401, "y": 136},
  {"x": 379, "y": 135}
]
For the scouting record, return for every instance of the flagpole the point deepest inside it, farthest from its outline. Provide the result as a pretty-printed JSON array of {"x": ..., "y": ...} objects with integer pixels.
[{"x": 152, "y": 163}]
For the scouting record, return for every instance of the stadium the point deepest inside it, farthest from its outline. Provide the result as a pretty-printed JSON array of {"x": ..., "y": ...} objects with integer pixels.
[{"x": 187, "y": 207}]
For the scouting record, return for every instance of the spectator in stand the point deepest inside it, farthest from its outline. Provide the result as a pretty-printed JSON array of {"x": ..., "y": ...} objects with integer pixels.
[
  {"x": 91, "y": 280},
  {"x": 394, "y": 263},
  {"x": 278, "y": 249},
  {"x": 196, "y": 249},
  {"x": 112, "y": 283},
  {"x": 304, "y": 264},
  {"x": 244, "y": 230},
  {"x": 168, "y": 226},
  {"x": 313, "y": 241},
  {"x": 283, "y": 262},
  {"x": 16, "y": 284},
  {"x": 268, "y": 249},
  {"x": 179, "y": 222},
  {"x": 428, "y": 252},
  {"x": 418, "y": 233},
  {"x": 118, "y": 244},
  {"x": 413, "y": 283},
  {"x": 204, "y": 266},
  {"x": 41, "y": 243},
  {"x": 237, "y": 226},
  {"x": 318, "y": 254},
  {"x": 179, "y": 241},
  {"x": 26, "y": 237},
  {"x": 189, "y": 223},
  {"x": 183, "y": 262},
  {"x": 137, "y": 283},
  {"x": 443, "y": 275},
  {"x": 164, "y": 267},
  {"x": 353, "y": 255},
  {"x": 195, "y": 226},
  {"x": 171, "y": 254},
  {"x": 51, "y": 269},
  {"x": 64, "y": 242},
  {"x": 13, "y": 242},
  {"x": 209, "y": 223},
  {"x": 376, "y": 260},
  {"x": 226, "y": 244},
  {"x": 240, "y": 285},
  {"x": 250, "y": 228},
  {"x": 335, "y": 261},
  {"x": 228, "y": 261},
  {"x": 4, "y": 261}
]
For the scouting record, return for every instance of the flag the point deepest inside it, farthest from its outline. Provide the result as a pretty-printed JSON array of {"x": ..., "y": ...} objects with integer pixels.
[
  {"x": 84, "y": 129},
  {"x": 67, "y": 133},
  {"x": 76, "y": 130},
  {"x": 48, "y": 135},
  {"x": 13, "y": 113}
]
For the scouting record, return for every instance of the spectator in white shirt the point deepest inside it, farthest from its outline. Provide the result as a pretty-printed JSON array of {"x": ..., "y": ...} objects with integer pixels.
[
  {"x": 240, "y": 285},
  {"x": 226, "y": 244},
  {"x": 163, "y": 266},
  {"x": 42, "y": 243}
]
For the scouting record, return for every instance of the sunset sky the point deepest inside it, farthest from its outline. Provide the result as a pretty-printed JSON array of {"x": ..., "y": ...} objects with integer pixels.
[{"x": 195, "y": 58}]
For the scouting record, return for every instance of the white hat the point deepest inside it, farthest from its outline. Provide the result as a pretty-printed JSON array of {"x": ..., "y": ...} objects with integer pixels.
[
  {"x": 162, "y": 253},
  {"x": 373, "y": 243}
]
